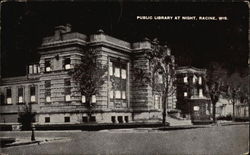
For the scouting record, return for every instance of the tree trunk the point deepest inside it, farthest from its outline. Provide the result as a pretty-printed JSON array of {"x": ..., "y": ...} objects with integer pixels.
[
  {"x": 164, "y": 113},
  {"x": 214, "y": 112},
  {"x": 233, "y": 111}
]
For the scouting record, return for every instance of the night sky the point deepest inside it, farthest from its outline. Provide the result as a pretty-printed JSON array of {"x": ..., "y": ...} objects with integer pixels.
[{"x": 193, "y": 42}]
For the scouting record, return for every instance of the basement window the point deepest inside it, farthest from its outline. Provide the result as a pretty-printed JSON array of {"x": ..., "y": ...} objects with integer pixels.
[
  {"x": 47, "y": 119},
  {"x": 66, "y": 119}
]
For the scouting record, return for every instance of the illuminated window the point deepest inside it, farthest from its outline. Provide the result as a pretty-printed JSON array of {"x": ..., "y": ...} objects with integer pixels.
[
  {"x": 196, "y": 108},
  {"x": 67, "y": 63},
  {"x": 200, "y": 93},
  {"x": 48, "y": 99},
  {"x": 200, "y": 80},
  {"x": 117, "y": 94},
  {"x": 30, "y": 69},
  {"x": 93, "y": 99},
  {"x": 111, "y": 94},
  {"x": 117, "y": 72},
  {"x": 157, "y": 101},
  {"x": 194, "y": 79},
  {"x": 9, "y": 96},
  {"x": 185, "y": 79},
  {"x": 83, "y": 99},
  {"x": 32, "y": 94},
  {"x": 47, "y": 65},
  {"x": 110, "y": 68},
  {"x": 20, "y": 95},
  {"x": 124, "y": 74},
  {"x": 185, "y": 94},
  {"x": 123, "y": 94}
]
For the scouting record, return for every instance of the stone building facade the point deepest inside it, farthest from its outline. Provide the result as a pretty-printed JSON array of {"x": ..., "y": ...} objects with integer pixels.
[
  {"x": 192, "y": 97},
  {"x": 54, "y": 95}
]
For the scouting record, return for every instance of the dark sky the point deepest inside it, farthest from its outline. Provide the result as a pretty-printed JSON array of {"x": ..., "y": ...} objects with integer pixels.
[{"x": 194, "y": 42}]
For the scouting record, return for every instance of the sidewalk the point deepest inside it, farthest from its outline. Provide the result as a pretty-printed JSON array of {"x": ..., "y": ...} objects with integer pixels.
[{"x": 39, "y": 140}]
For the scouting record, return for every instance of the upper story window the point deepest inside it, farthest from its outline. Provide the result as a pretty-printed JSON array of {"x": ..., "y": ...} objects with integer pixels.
[
  {"x": 9, "y": 96},
  {"x": 93, "y": 99},
  {"x": 32, "y": 94},
  {"x": 20, "y": 95},
  {"x": 67, "y": 63},
  {"x": 48, "y": 65},
  {"x": 34, "y": 69}
]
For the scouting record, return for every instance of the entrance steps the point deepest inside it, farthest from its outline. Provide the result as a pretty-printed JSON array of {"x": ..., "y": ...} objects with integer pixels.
[{"x": 177, "y": 122}]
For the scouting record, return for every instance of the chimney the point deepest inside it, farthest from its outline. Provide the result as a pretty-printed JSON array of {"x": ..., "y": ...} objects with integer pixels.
[{"x": 59, "y": 30}]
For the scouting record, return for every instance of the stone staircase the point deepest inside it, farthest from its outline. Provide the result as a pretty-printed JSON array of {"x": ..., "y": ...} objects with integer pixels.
[{"x": 178, "y": 122}]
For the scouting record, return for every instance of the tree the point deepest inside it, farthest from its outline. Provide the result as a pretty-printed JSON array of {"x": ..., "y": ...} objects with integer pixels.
[
  {"x": 89, "y": 75},
  {"x": 26, "y": 117},
  {"x": 162, "y": 75},
  {"x": 214, "y": 80},
  {"x": 237, "y": 89}
]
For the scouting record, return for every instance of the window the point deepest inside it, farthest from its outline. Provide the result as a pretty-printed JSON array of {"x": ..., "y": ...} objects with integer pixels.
[
  {"x": 124, "y": 74},
  {"x": 200, "y": 93},
  {"x": 120, "y": 119},
  {"x": 35, "y": 69},
  {"x": 47, "y": 91},
  {"x": 30, "y": 69},
  {"x": 93, "y": 99},
  {"x": 85, "y": 119},
  {"x": 110, "y": 68},
  {"x": 66, "y": 119},
  {"x": 185, "y": 79},
  {"x": 118, "y": 78},
  {"x": 200, "y": 80},
  {"x": 111, "y": 94},
  {"x": 1, "y": 98},
  {"x": 185, "y": 94},
  {"x": 33, "y": 94},
  {"x": 67, "y": 94},
  {"x": 67, "y": 63},
  {"x": 117, "y": 72},
  {"x": 113, "y": 119},
  {"x": 126, "y": 119},
  {"x": 67, "y": 82},
  {"x": 160, "y": 78},
  {"x": 92, "y": 119},
  {"x": 196, "y": 108},
  {"x": 157, "y": 101},
  {"x": 47, "y": 119},
  {"x": 67, "y": 85},
  {"x": 83, "y": 99},
  {"x": 47, "y": 65},
  {"x": 20, "y": 95},
  {"x": 123, "y": 94},
  {"x": 194, "y": 79},
  {"x": 9, "y": 96},
  {"x": 117, "y": 94}
]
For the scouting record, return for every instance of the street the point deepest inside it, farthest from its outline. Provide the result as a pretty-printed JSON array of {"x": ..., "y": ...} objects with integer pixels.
[{"x": 219, "y": 140}]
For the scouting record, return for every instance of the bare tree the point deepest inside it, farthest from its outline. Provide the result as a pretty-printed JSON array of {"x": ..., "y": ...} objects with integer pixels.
[
  {"x": 162, "y": 76},
  {"x": 215, "y": 77},
  {"x": 89, "y": 75}
]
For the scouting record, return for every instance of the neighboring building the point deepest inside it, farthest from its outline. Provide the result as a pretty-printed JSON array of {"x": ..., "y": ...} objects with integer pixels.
[
  {"x": 191, "y": 94},
  {"x": 54, "y": 96}
]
